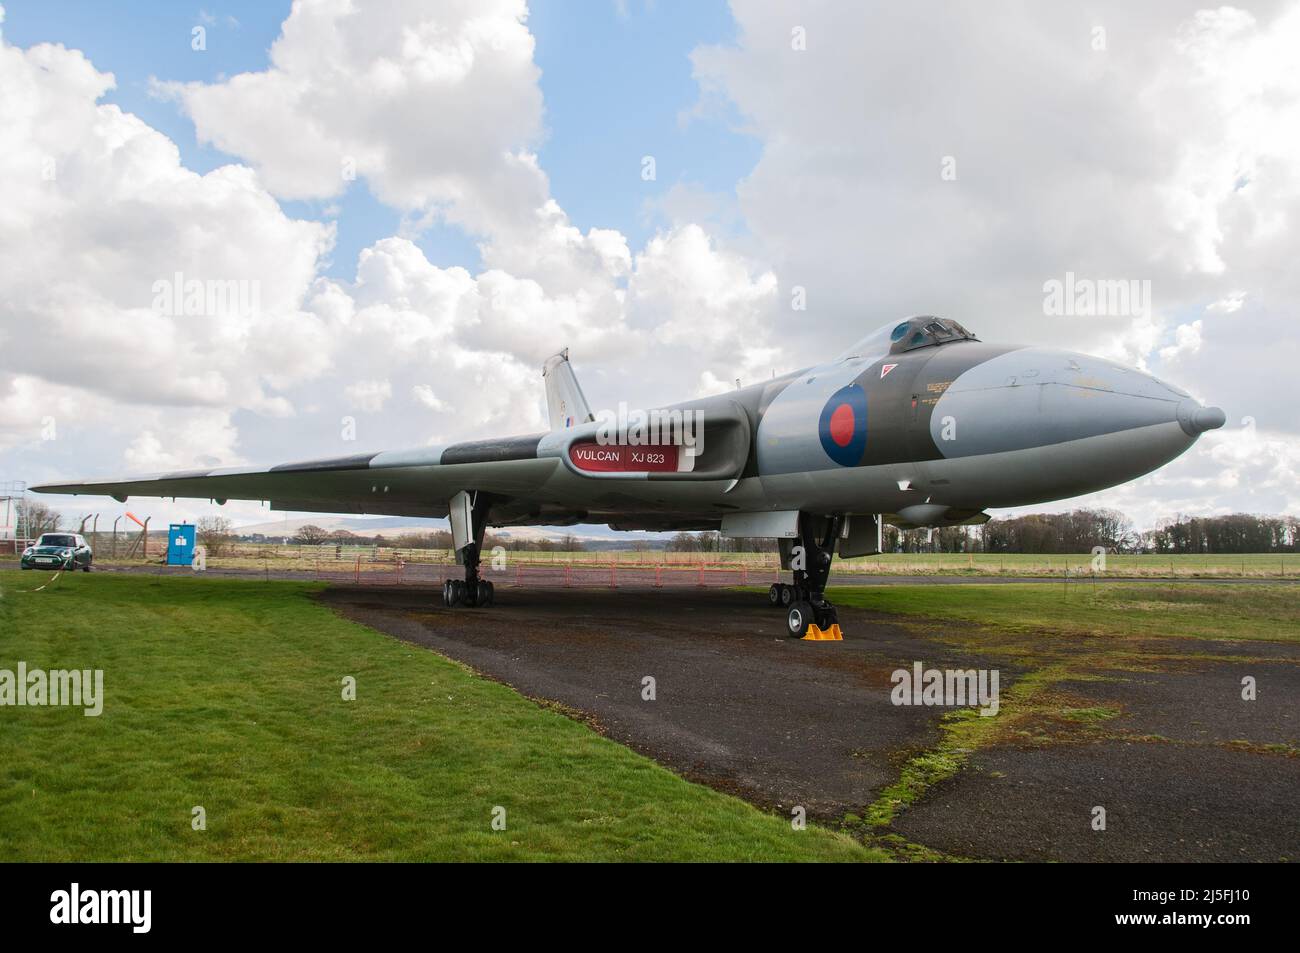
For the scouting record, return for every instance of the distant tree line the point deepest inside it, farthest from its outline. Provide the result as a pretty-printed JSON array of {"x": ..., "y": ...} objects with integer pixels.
[
  {"x": 712, "y": 541},
  {"x": 313, "y": 535},
  {"x": 1238, "y": 533},
  {"x": 1074, "y": 532},
  {"x": 1078, "y": 531}
]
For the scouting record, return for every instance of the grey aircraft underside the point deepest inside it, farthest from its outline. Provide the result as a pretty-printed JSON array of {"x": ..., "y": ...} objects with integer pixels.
[{"x": 918, "y": 424}]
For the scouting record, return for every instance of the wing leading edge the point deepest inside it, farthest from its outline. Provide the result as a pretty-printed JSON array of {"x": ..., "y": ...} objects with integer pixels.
[{"x": 402, "y": 483}]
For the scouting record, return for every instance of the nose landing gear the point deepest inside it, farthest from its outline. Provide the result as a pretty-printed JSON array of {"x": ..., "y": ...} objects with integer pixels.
[{"x": 809, "y": 615}]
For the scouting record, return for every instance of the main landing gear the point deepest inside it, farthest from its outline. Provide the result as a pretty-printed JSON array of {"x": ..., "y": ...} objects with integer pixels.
[
  {"x": 458, "y": 592},
  {"x": 469, "y": 518},
  {"x": 808, "y": 613}
]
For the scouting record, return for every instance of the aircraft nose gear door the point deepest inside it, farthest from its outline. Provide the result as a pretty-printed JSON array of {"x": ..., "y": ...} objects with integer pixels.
[
  {"x": 469, "y": 513},
  {"x": 809, "y": 614}
]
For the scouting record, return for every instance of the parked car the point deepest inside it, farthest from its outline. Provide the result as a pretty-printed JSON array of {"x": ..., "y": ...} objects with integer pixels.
[{"x": 58, "y": 551}]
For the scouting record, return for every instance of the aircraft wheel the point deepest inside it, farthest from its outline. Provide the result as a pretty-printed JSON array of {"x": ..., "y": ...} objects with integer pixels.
[
  {"x": 787, "y": 596},
  {"x": 774, "y": 595},
  {"x": 486, "y": 593},
  {"x": 798, "y": 619},
  {"x": 827, "y": 617}
]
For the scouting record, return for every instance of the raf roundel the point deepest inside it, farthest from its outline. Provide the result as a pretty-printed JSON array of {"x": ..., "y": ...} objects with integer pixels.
[{"x": 843, "y": 425}]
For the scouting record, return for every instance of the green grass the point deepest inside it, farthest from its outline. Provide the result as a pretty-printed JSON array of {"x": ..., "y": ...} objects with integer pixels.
[
  {"x": 1258, "y": 611},
  {"x": 226, "y": 694},
  {"x": 1089, "y": 716},
  {"x": 1117, "y": 564}
]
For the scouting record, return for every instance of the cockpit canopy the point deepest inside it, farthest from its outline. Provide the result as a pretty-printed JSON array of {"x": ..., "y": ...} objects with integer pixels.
[{"x": 899, "y": 336}]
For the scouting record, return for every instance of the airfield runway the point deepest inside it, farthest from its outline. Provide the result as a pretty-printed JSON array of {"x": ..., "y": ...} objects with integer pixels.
[{"x": 1185, "y": 772}]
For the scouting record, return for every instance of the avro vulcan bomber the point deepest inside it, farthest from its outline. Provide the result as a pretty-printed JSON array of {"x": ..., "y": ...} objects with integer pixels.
[{"x": 919, "y": 424}]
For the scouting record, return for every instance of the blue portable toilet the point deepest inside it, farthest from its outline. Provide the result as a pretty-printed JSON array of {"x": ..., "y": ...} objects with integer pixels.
[{"x": 180, "y": 544}]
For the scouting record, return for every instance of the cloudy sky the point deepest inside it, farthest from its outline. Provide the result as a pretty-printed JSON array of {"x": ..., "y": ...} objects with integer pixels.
[{"x": 418, "y": 202}]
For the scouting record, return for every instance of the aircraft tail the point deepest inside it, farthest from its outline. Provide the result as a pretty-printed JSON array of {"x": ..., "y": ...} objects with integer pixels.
[{"x": 565, "y": 404}]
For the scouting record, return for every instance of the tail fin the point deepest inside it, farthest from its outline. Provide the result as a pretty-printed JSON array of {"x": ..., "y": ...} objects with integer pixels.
[{"x": 564, "y": 401}]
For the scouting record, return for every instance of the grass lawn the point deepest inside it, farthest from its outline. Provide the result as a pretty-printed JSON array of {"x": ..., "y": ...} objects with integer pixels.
[
  {"x": 226, "y": 694},
  {"x": 1117, "y": 564},
  {"x": 1267, "y": 612}
]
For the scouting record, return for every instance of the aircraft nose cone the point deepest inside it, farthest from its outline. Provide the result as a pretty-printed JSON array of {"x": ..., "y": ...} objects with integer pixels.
[{"x": 1196, "y": 420}]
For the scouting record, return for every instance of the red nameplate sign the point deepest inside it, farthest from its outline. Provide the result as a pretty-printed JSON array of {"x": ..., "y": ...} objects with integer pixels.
[{"x": 620, "y": 458}]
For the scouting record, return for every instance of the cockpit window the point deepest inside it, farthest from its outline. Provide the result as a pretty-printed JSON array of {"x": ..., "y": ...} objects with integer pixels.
[
  {"x": 926, "y": 330},
  {"x": 897, "y": 337}
]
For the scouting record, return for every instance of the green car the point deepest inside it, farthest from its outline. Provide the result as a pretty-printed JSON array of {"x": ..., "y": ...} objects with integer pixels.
[{"x": 58, "y": 551}]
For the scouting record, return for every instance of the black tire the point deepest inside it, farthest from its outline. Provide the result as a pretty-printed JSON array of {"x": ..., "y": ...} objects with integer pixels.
[
  {"x": 787, "y": 596},
  {"x": 798, "y": 619},
  {"x": 86, "y": 568},
  {"x": 486, "y": 592},
  {"x": 827, "y": 617},
  {"x": 446, "y": 593},
  {"x": 774, "y": 595}
]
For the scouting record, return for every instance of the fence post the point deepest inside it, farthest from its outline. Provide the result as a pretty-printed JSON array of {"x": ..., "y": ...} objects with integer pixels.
[
  {"x": 659, "y": 581},
  {"x": 566, "y": 577},
  {"x": 358, "y": 569},
  {"x": 613, "y": 583}
]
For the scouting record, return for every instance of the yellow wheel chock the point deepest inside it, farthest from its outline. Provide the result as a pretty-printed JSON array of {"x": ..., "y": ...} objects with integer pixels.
[{"x": 817, "y": 634}]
